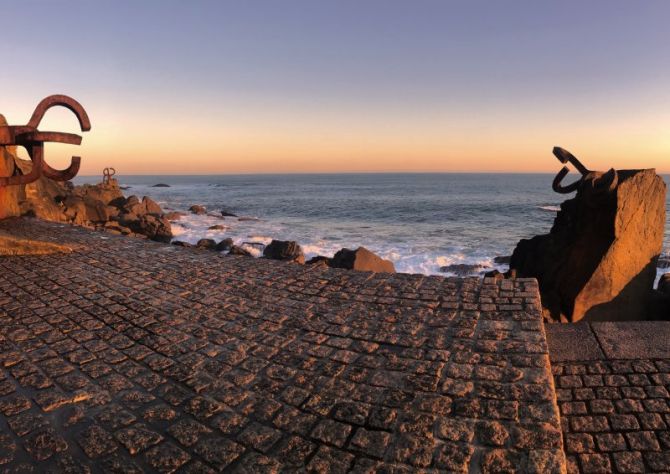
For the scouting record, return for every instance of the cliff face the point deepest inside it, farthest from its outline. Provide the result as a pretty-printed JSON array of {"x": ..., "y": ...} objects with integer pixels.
[{"x": 599, "y": 260}]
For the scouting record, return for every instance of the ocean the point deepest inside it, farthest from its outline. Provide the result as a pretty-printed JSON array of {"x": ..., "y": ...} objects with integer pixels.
[{"x": 421, "y": 222}]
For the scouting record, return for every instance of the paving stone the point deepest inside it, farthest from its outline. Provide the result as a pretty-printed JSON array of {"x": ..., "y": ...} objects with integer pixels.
[
  {"x": 624, "y": 428},
  {"x": 137, "y": 438},
  {"x": 219, "y": 452},
  {"x": 166, "y": 457},
  {"x": 43, "y": 444},
  {"x": 331, "y": 432},
  {"x": 629, "y": 462},
  {"x": 7, "y": 449},
  {"x": 96, "y": 442},
  {"x": 198, "y": 362}
]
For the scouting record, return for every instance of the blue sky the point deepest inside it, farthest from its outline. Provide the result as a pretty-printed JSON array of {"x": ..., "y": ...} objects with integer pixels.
[{"x": 363, "y": 85}]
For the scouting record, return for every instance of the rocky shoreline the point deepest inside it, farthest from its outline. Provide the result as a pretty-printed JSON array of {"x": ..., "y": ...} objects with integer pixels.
[{"x": 104, "y": 207}]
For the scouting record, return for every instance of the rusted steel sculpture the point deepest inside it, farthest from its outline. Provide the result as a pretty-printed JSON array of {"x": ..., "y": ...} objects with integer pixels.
[
  {"x": 596, "y": 182},
  {"x": 33, "y": 141},
  {"x": 107, "y": 174}
]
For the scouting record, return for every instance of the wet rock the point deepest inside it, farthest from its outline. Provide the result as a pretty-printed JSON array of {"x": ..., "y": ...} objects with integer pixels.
[
  {"x": 181, "y": 243},
  {"x": 216, "y": 227},
  {"x": 174, "y": 215},
  {"x": 463, "y": 269},
  {"x": 209, "y": 244},
  {"x": 154, "y": 227},
  {"x": 225, "y": 213},
  {"x": 235, "y": 250},
  {"x": 284, "y": 250},
  {"x": 663, "y": 262},
  {"x": 225, "y": 244},
  {"x": 664, "y": 284},
  {"x": 161, "y": 185},
  {"x": 599, "y": 260},
  {"x": 502, "y": 260},
  {"x": 361, "y": 259},
  {"x": 319, "y": 261},
  {"x": 198, "y": 209}
]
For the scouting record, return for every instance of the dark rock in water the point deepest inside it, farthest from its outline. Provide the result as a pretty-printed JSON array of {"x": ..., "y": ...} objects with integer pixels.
[
  {"x": 502, "y": 260},
  {"x": 464, "y": 269},
  {"x": 235, "y": 250},
  {"x": 209, "y": 244},
  {"x": 225, "y": 213},
  {"x": 154, "y": 227},
  {"x": 180, "y": 243},
  {"x": 599, "y": 260},
  {"x": 663, "y": 262},
  {"x": 125, "y": 188},
  {"x": 284, "y": 250},
  {"x": 174, "y": 215},
  {"x": 198, "y": 209},
  {"x": 216, "y": 227},
  {"x": 245, "y": 219},
  {"x": 161, "y": 185},
  {"x": 361, "y": 259},
  {"x": 225, "y": 244},
  {"x": 319, "y": 260},
  {"x": 664, "y": 285}
]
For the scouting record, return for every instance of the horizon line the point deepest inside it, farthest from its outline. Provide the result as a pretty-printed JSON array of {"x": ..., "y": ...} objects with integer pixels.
[{"x": 550, "y": 173}]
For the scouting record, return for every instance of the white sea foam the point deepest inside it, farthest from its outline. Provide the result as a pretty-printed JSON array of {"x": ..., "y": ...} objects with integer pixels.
[{"x": 550, "y": 208}]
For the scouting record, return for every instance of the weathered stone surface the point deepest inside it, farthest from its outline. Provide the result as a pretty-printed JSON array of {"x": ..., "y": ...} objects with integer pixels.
[
  {"x": 198, "y": 209},
  {"x": 599, "y": 260},
  {"x": 361, "y": 259},
  {"x": 284, "y": 250},
  {"x": 209, "y": 244},
  {"x": 158, "y": 358}
]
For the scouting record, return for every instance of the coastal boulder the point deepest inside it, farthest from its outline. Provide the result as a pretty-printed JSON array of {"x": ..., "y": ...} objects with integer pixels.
[
  {"x": 225, "y": 244},
  {"x": 198, "y": 209},
  {"x": 209, "y": 244},
  {"x": 154, "y": 227},
  {"x": 664, "y": 284},
  {"x": 150, "y": 206},
  {"x": 284, "y": 250},
  {"x": 599, "y": 260},
  {"x": 236, "y": 250},
  {"x": 361, "y": 259},
  {"x": 174, "y": 215}
]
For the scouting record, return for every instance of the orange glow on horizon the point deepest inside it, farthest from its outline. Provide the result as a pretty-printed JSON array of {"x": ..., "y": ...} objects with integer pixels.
[{"x": 260, "y": 142}]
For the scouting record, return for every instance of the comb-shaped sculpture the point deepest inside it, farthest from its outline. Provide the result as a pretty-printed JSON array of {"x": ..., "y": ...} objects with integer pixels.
[{"x": 33, "y": 140}]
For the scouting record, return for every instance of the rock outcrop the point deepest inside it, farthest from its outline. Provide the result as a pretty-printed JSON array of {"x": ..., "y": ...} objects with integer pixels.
[
  {"x": 100, "y": 206},
  {"x": 599, "y": 260},
  {"x": 287, "y": 250},
  {"x": 198, "y": 209},
  {"x": 361, "y": 259}
]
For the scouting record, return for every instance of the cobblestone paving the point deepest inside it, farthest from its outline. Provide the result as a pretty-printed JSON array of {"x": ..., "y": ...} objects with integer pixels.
[
  {"x": 133, "y": 356},
  {"x": 615, "y": 415}
]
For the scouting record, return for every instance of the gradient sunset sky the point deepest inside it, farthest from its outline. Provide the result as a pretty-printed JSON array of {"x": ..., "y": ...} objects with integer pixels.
[{"x": 199, "y": 87}]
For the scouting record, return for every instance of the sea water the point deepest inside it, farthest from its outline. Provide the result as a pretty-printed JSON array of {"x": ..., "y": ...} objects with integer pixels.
[{"x": 421, "y": 222}]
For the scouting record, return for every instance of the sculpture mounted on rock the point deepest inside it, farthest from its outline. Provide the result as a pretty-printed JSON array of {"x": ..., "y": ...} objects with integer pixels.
[
  {"x": 33, "y": 141},
  {"x": 599, "y": 260},
  {"x": 19, "y": 178}
]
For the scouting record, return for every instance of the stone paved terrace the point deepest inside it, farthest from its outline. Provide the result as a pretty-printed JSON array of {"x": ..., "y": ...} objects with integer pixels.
[
  {"x": 133, "y": 356},
  {"x": 612, "y": 383}
]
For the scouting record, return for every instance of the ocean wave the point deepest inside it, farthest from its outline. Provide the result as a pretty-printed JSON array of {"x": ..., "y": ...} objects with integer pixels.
[{"x": 550, "y": 208}]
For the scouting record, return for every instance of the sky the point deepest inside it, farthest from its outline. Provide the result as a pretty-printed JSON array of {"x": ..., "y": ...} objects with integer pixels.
[{"x": 200, "y": 87}]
